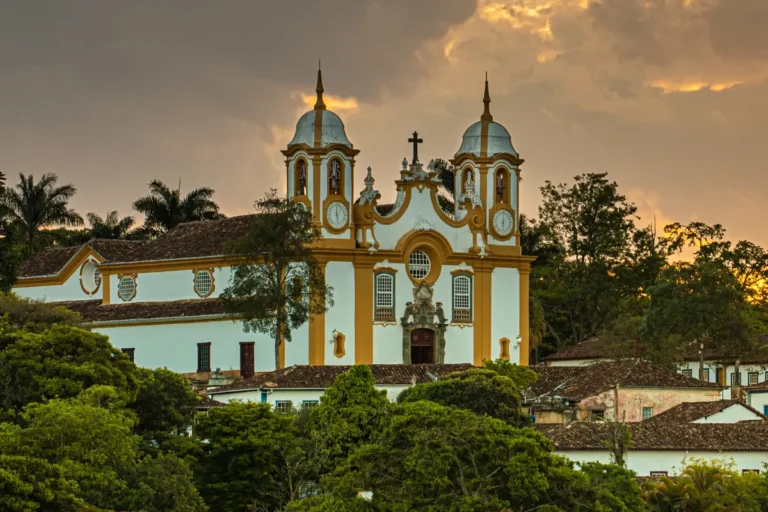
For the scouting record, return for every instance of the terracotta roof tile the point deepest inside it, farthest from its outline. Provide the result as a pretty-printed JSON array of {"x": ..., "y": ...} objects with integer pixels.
[
  {"x": 47, "y": 262},
  {"x": 93, "y": 311},
  {"x": 206, "y": 402},
  {"x": 687, "y": 412},
  {"x": 321, "y": 377},
  {"x": 550, "y": 377},
  {"x": 747, "y": 436},
  {"x": 599, "y": 347}
]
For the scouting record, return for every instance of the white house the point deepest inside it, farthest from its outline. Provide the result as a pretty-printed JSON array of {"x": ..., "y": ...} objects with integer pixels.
[
  {"x": 661, "y": 448},
  {"x": 414, "y": 281},
  {"x": 720, "y": 411}
]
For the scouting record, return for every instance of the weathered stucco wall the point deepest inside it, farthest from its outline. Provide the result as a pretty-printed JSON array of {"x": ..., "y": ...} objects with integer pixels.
[{"x": 631, "y": 401}]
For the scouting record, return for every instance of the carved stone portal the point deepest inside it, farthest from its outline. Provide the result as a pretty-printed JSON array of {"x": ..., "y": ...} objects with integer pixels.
[{"x": 421, "y": 314}]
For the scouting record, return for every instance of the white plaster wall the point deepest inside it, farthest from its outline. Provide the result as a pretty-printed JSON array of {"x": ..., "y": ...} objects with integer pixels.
[
  {"x": 297, "y": 396},
  {"x": 505, "y": 311},
  {"x": 758, "y": 401},
  {"x": 744, "y": 370},
  {"x": 732, "y": 414},
  {"x": 69, "y": 290},
  {"x": 174, "y": 346},
  {"x": 341, "y": 317},
  {"x": 419, "y": 209},
  {"x": 643, "y": 462},
  {"x": 171, "y": 285},
  {"x": 297, "y": 350}
]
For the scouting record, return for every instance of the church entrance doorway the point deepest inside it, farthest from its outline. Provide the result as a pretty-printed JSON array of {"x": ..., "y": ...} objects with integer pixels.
[{"x": 422, "y": 346}]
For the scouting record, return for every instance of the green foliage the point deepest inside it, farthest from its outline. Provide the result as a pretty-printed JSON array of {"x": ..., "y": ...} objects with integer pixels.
[
  {"x": 349, "y": 414},
  {"x": 61, "y": 361},
  {"x": 165, "y": 405},
  {"x": 327, "y": 503},
  {"x": 164, "y": 209},
  {"x": 28, "y": 484},
  {"x": 33, "y": 205},
  {"x": 521, "y": 376},
  {"x": 617, "y": 481},
  {"x": 111, "y": 227},
  {"x": 619, "y": 443},
  {"x": 9, "y": 257},
  {"x": 161, "y": 484},
  {"x": 427, "y": 457},
  {"x": 244, "y": 461},
  {"x": 33, "y": 315},
  {"x": 280, "y": 283},
  {"x": 483, "y": 392}
]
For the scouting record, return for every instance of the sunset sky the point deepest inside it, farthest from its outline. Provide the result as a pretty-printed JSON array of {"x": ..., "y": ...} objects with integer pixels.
[{"x": 669, "y": 97}]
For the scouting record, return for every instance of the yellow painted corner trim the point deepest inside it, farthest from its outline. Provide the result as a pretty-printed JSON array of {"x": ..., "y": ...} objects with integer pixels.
[{"x": 75, "y": 262}]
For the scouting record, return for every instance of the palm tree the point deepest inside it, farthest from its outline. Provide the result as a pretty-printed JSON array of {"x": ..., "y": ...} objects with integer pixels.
[
  {"x": 31, "y": 206},
  {"x": 113, "y": 227},
  {"x": 164, "y": 208}
]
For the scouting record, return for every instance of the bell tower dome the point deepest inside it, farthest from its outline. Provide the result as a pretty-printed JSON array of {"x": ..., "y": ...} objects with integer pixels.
[
  {"x": 320, "y": 163},
  {"x": 487, "y": 168}
]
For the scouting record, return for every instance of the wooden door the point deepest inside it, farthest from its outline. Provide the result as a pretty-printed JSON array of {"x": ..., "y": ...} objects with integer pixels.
[
  {"x": 422, "y": 346},
  {"x": 246, "y": 359}
]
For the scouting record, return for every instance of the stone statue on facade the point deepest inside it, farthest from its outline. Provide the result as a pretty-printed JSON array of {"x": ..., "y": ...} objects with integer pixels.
[{"x": 423, "y": 314}]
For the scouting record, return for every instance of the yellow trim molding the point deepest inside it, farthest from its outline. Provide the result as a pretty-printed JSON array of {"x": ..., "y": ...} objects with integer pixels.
[
  {"x": 364, "y": 275},
  {"x": 525, "y": 274},
  {"x": 317, "y": 334}
]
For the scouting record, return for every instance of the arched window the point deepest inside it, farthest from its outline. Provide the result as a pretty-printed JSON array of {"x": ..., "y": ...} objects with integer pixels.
[
  {"x": 384, "y": 296},
  {"x": 462, "y": 299},
  {"x": 501, "y": 185},
  {"x": 504, "y": 346},
  {"x": 126, "y": 288},
  {"x": 300, "y": 177},
  {"x": 335, "y": 177}
]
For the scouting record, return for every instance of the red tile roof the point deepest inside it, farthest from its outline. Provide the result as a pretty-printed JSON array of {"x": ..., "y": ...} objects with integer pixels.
[
  {"x": 94, "y": 312},
  {"x": 321, "y": 377},
  {"x": 550, "y": 377},
  {"x": 687, "y": 412},
  {"x": 599, "y": 347},
  {"x": 657, "y": 436},
  {"x": 48, "y": 262}
]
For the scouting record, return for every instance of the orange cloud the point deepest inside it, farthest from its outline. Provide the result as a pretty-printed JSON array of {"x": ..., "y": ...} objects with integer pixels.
[
  {"x": 335, "y": 103},
  {"x": 669, "y": 87}
]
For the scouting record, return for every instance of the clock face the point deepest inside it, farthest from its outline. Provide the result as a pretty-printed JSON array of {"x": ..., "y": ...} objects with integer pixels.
[
  {"x": 502, "y": 222},
  {"x": 337, "y": 215}
]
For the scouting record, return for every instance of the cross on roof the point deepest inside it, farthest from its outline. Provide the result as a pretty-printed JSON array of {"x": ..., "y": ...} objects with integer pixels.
[{"x": 416, "y": 141}]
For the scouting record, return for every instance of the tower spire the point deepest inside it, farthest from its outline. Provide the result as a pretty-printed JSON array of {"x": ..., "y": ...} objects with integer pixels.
[
  {"x": 320, "y": 104},
  {"x": 487, "y": 102}
]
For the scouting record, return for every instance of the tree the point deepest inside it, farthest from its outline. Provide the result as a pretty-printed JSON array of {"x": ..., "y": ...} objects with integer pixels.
[
  {"x": 165, "y": 405},
  {"x": 349, "y": 414},
  {"x": 279, "y": 283},
  {"x": 428, "y": 457},
  {"x": 8, "y": 257},
  {"x": 328, "y": 503},
  {"x": 62, "y": 362},
  {"x": 164, "y": 208},
  {"x": 34, "y": 315},
  {"x": 617, "y": 481},
  {"x": 481, "y": 391},
  {"x": 31, "y": 206},
  {"x": 161, "y": 484},
  {"x": 243, "y": 461},
  {"x": 28, "y": 484},
  {"x": 521, "y": 376},
  {"x": 111, "y": 227}
]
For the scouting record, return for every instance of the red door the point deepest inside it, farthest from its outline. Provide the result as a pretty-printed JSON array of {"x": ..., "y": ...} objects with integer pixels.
[
  {"x": 422, "y": 346},
  {"x": 246, "y": 359}
]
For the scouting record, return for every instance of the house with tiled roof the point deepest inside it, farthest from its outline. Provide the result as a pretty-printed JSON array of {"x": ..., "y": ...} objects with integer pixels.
[
  {"x": 303, "y": 385},
  {"x": 627, "y": 390},
  {"x": 720, "y": 411},
  {"x": 718, "y": 367},
  {"x": 663, "y": 448},
  {"x": 412, "y": 282}
]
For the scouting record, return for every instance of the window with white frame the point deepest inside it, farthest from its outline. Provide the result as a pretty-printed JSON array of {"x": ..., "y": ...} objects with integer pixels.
[
  {"x": 203, "y": 282},
  {"x": 126, "y": 288},
  {"x": 283, "y": 405},
  {"x": 308, "y": 404},
  {"x": 462, "y": 299},
  {"x": 384, "y": 290},
  {"x": 735, "y": 378},
  {"x": 688, "y": 373},
  {"x": 706, "y": 374},
  {"x": 752, "y": 378},
  {"x": 419, "y": 264},
  {"x": 659, "y": 473},
  {"x": 647, "y": 413}
]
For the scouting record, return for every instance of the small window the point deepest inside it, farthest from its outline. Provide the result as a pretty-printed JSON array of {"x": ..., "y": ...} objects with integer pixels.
[
  {"x": 246, "y": 359},
  {"x": 766, "y": 376},
  {"x": 647, "y": 413},
  {"x": 204, "y": 357},
  {"x": 203, "y": 283},
  {"x": 462, "y": 299},
  {"x": 283, "y": 405},
  {"x": 384, "y": 296},
  {"x": 90, "y": 277},
  {"x": 301, "y": 178},
  {"x": 752, "y": 378},
  {"x": 765, "y": 410},
  {"x": 126, "y": 288},
  {"x": 748, "y": 471},
  {"x": 419, "y": 264},
  {"x": 308, "y": 404},
  {"x": 130, "y": 353},
  {"x": 735, "y": 378},
  {"x": 335, "y": 177},
  {"x": 659, "y": 473},
  {"x": 501, "y": 185},
  {"x": 598, "y": 415},
  {"x": 706, "y": 374},
  {"x": 688, "y": 373}
]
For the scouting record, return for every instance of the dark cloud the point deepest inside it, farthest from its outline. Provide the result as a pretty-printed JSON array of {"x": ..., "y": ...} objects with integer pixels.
[{"x": 739, "y": 29}]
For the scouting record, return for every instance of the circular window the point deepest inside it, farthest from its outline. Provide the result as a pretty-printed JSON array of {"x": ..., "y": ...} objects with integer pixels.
[
  {"x": 126, "y": 288},
  {"x": 203, "y": 283},
  {"x": 419, "y": 264},
  {"x": 90, "y": 277}
]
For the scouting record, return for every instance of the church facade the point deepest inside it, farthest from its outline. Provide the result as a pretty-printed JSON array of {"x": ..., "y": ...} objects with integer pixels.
[{"x": 422, "y": 280}]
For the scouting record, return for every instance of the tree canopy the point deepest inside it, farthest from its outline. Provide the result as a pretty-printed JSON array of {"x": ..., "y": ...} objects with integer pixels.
[{"x": 164, "y": 209}]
